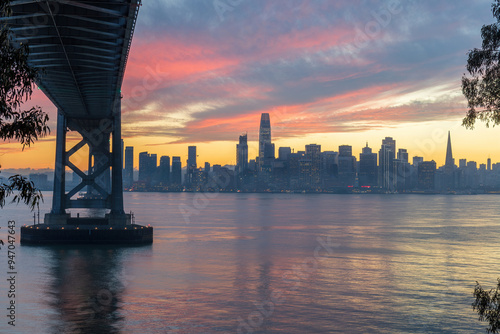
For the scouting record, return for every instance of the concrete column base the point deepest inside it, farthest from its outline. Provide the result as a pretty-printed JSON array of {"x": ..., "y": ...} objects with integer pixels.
[
  {"x": 118, "y": 220},
  {"x": 56, "y": 219}
]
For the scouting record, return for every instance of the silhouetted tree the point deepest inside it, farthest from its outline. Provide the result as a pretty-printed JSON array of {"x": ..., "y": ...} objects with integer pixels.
[
  {"x": 482, "y": 89},
  {"x": 17, "y": 80},
  {"x": 487, "y": 305}
]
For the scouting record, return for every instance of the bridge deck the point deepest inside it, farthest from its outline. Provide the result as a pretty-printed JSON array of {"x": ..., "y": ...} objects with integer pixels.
[{"x": 81, "y": 47}]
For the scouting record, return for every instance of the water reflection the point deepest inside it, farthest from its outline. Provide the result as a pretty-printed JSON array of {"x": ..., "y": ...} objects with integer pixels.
[
  {"x": 401, "y": 266},
  {"x": 86, "y": 290}
]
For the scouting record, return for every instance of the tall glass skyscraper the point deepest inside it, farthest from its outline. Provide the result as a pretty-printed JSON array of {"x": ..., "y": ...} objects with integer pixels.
[
  {"x": 367, "y": 174},
  {"x": 164, "y": 170},
  {"x": 128, "y": 175},
  {"x": 242, "y": 154},
  {"x": 449, "y": 166},
  {"x": 191, "y": 164},
  {"x": 264, "y": 138},
  {"x": 313, "y": 153},
  {"x": 386, "y": 157},
  {"x": 176, "y": 178},
  {"x": 147, "y": 166}
]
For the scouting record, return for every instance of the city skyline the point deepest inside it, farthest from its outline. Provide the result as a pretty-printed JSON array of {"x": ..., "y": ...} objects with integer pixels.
[
  {"x": 327, "y": 81},
  {"x": 356, "y": 152}
]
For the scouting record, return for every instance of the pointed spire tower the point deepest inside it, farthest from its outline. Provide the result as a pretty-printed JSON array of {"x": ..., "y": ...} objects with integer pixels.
[
  {"x": 450, "y": 162},
  {"x": 449, "y": 167}
]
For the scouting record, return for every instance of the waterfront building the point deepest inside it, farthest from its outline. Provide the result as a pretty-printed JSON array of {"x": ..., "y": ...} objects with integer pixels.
[
  {"x": 367, "y": 175},
  {"x": 128, "y": 172},
  {"x": 265, "y": 145},
  {"x": 242, "y": 154},
  {"x": 176, "y": 176}
]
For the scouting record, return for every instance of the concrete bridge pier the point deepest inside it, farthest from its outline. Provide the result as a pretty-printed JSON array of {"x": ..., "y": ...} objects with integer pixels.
[{"x": 100, "y": 193}]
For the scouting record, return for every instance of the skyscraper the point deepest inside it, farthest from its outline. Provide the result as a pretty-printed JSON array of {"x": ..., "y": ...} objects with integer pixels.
[
  {"x": 164, "y": 170},
  {"x": 403, "y": 155},
  {"x": 176, "y": 176},
  {"x": 313, "y": 153},
  {"x": 401, "y": 171},
  {"x": 386, "y": 156},
  {"x": 242, "y": 154},
  {"x": 143, "y": 165},
  {"x": 345, "y": 151},
  {"x": 305, "y": 173},
  {"x": 450, "y": 162},
  {"x": 128, "y": 173},
  {"x": 426, "y": 173},
  {"x": 284, "y": 152},
  {"x": 191, "y": 164},
  {"x": 147, "y": 166},
  {"x": 264, "y": 138},
  {"x": 417, "y": 161},
  {"x": 346, "y": 166},
  {"x": 367, "y": 167},
  {"x": 449, "y": 167}
]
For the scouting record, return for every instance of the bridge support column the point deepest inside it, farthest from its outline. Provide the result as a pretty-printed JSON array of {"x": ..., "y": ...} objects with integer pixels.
[
  {"x": 58, "y": 213},
  {"x": 117, "y": 215}
]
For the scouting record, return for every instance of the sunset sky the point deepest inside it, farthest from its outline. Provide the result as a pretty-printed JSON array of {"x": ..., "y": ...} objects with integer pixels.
[{"x": 328, "y": 72}]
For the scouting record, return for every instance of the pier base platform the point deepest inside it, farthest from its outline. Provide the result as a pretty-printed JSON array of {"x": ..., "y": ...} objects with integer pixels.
[{"x": 132, "y": 234}]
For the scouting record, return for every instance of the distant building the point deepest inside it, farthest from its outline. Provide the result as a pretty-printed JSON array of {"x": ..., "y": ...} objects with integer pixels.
[
  {"x": 313, "y": 153},
  {"x": 40, "y": 180},
  {"x": 252, "y": 165},
  {"x": 164, "y": 170},
  {"x": 386, "y": 157},
  {"x": 242, "y": 154},
  {"x": 347, "y": 166},
  {"x": 426, "y": 175},
  {"x": 449, "y": 167},
  {"x": 417, "y": 161},
  {"x": 367, "y": 174},
  {"x": 128, "y": 172},
  {"x": 305, "y": 173},
  {"x": 283, "y": 153},
  {"x": 267, "y": 163},
  {"x": 401, "y": 171},
  {"x": 191, "y": 164},
  {"x": 176, "y": 175},
  {"x": 403, "y": 155},
  {"x": 265, "y": 145},
  {"x": 147, "y": 166}
]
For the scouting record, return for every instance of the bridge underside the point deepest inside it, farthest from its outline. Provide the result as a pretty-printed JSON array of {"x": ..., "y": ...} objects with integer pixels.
[{"x": 81, "y": 49}]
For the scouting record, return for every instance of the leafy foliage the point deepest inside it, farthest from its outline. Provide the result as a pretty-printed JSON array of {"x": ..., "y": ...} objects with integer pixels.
[
  {"x": 487, "y": 305},
  {"x": 26, "y": 191},
  {"x": 482, "y": 88},
  {"x": 17, "y": 80}
]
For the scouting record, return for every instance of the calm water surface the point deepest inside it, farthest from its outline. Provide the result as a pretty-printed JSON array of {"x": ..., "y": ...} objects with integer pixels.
[{"x": 266, "y": 263}]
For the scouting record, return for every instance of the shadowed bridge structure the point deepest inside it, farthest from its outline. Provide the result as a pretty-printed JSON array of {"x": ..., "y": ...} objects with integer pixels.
[{"x": 81, "y": 49}]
